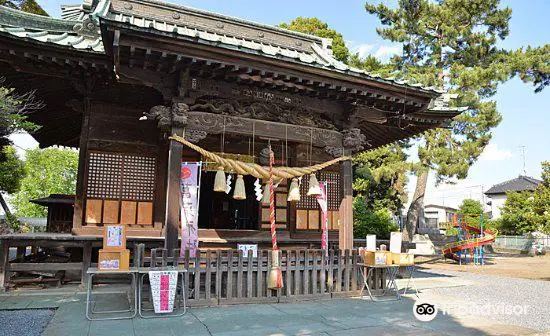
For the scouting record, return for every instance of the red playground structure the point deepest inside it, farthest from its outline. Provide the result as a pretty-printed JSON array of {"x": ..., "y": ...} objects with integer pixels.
[{"x": 475, "y": 245}]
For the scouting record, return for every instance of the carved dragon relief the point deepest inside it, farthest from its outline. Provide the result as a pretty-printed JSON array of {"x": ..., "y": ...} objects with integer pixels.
[
  {"x": 268, "y": 111},
  {"x": 169, "y": 117},
  {"x": 353, "y": 140}
]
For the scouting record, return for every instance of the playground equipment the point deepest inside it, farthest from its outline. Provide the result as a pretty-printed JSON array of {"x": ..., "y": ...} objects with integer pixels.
[{"x": 458, "y": 250}]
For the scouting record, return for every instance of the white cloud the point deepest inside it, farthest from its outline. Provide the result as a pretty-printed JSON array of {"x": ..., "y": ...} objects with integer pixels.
[
  {"x": 493, "y": 153},
  {"x": 385, "y": 52},
  {"x": 364, "y": 49}
]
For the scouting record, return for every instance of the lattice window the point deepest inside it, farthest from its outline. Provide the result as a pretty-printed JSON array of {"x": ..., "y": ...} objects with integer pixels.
[
  {"x": 333, "y": 191},
  {"x": 104, "y": 175},
  {"x": 139, "y": 178},
  {"x": 121, "y": 176}
]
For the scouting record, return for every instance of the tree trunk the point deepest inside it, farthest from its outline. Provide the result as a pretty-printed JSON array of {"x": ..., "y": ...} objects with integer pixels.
[
  {"x": 4, "y": 205},
  {"x": 416, "y": 209}
]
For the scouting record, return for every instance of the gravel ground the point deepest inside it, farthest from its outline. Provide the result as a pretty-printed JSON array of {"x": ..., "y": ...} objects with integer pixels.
[
  {"x": 29, "y": 322},
  {"x": 498, "y": 292}
]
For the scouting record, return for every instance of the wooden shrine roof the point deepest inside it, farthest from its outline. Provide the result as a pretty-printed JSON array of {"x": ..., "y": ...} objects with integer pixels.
[
  {"x": 158, "y": 40},
  {"x": 80, "y": 27}
]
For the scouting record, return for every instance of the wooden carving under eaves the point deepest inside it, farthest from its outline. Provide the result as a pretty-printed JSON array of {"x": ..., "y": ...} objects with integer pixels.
[
  {"x": 353, "y": 140},
  {"x": 268, "y": 111},
  {"x": 168, "y": 117}
]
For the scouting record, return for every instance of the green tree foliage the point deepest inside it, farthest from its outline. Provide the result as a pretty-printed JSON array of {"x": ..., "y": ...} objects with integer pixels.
[
  {"x": 380, "y": 178},
  {"x": 29, "y": 6},
  {"x": 525, "y": 212},
  {"x": 13, "y": 118},
  {"x": 11, "y": 171},
  {"x": 316, "y": 27},
  {"x": 452, "y": 44},
  {"x": 369, "y": 221},
  {"x": 13, "y": 112},
  {"x": 472, "y": 210},
  {"x": 48, "y": 171},
  {"x": 517, "y": 214},
  {"x": 541, "y": 200},
  {"x": 471, "y": 207}
]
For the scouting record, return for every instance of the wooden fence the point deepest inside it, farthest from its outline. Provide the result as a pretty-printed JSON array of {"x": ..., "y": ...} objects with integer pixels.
[{"x": 229, "y": 277}]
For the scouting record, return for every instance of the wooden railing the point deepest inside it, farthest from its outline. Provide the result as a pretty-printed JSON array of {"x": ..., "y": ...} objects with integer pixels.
[{"x": 229, "y": 277}]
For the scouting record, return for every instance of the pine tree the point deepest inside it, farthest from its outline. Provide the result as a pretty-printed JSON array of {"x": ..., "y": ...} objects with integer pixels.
[
  {"x": 452, "y": 44},
  {"x": 29, "y": 6}
]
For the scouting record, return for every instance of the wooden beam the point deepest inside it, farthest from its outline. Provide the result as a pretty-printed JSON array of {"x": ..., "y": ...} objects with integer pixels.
[{"x": 212, "y": 123}]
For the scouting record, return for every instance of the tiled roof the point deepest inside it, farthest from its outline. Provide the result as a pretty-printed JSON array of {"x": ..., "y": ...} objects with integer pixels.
[
  {"x": 64, "y": 33},
  {"x": 521, "y": 183},
  {"x": 79, "y": 29},
  {"x": 317, "y": 54}
]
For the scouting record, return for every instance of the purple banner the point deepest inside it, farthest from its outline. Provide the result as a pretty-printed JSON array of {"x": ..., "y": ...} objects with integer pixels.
[{"x": 189, "y": 206}]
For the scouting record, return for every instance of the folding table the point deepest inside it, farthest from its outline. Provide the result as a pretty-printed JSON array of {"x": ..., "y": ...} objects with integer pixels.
[{"x": 118, "y": 314}]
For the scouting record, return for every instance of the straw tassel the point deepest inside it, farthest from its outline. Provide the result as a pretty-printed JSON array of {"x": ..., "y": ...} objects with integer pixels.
[
  {"x": 314, "y": 189},
  {"x": 239, "y": 193},
  {"x": 294, "y": 192},
  {"x": 219, "y": 181}
]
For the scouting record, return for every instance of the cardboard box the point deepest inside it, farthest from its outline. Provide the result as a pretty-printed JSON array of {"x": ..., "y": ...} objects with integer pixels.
[
  {"x": 377, "y": 258},
  {"x": 114, "y": 260},
  {"x": 402, "y": 259}
]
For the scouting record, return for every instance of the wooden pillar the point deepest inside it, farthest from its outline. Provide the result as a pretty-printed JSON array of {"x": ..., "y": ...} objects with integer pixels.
[
  {"x": 173, "y": 193},
  {"x": 80, "y": 191},
  {"x": 86, "y": 262},
  {"x": 345, "y": 233},
  {"x": 4, "y": 258}
]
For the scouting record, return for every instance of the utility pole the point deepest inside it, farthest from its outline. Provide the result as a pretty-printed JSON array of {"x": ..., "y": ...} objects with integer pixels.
[{"x": 524, "y": 171}]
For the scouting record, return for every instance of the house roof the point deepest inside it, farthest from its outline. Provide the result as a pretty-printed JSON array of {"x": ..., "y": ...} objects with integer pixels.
[
  {"x": 440, "y": 207},
  {"x": 54, "y": 199},
  {"x": 520, "y": 183},
  {"x": 79, "y": 28}
]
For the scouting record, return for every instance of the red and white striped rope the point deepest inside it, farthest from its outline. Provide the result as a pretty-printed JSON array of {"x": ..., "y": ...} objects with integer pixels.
[{"x": 272, "y": 200}]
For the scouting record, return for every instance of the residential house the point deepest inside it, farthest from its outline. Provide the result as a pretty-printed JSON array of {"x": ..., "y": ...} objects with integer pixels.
[{"x": 497, "y": 193}]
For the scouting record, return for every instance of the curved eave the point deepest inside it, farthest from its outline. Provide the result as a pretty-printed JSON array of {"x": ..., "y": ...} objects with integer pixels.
[{"x": 328, "y": 71}]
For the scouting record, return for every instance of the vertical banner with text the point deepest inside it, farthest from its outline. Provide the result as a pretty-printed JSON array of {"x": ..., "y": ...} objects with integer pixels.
[
  {"x": 323, "y": 204},
  {"x": 189, "y": 205}
]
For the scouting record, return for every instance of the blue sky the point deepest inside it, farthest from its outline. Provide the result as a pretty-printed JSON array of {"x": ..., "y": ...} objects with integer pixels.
[{"x": 525, "y": 114}]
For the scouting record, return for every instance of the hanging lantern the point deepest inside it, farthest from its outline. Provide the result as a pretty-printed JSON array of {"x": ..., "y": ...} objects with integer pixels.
[
  {"x": 265, "y": 198},
  {"x": 294, "y": 192},
  {"x": 314, "y": 189},
  {"x": 239, "y": 193},
  {"x": 219, "y": 181}
]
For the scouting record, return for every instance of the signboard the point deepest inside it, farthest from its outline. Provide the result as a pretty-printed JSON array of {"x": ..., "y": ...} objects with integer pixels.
[
  {"x": 109, "y": 264},
  {"x": 248, "y": 247},
  {"x": 189, "y": 206},
  {"x": 163, "y": 290},
  {"x": 115, "y": 235},
  {"x": 371, "y": 243},
  {"x": 322, "y": 200},
  {"x": 396, "y": 238}
]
